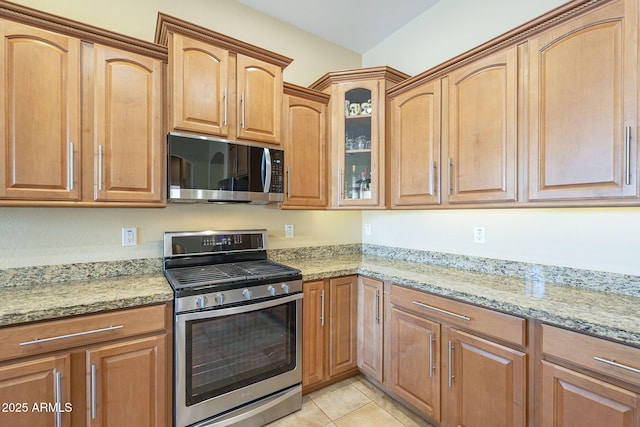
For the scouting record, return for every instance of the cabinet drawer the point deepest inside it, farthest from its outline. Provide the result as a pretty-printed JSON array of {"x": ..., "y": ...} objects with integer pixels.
[
  {"x": 26, "y": 340},
  {"x": 599, "y": 355},
  {"x": 489, "y": 322}
]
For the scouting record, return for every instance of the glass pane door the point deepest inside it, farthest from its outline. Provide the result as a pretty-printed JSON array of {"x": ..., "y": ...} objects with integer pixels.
[{"x": 357, "y": 148}]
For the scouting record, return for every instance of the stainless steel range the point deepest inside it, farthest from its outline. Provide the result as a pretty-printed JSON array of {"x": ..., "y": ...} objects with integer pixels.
[{"x": 238, "y": 329}]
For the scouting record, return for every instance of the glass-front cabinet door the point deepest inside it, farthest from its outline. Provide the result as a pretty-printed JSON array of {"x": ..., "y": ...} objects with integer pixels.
[
  {"x": 357, "y": 134},
  {"x": 358, "y": 145}
]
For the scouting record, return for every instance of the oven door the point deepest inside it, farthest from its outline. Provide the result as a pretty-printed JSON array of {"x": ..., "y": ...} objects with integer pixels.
[{"x": 228, "y": 357}]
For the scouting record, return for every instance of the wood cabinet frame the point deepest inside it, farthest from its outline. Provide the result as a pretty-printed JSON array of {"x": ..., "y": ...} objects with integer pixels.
[
  {"x": 67, "y": 176},
  {"x": 82, "y": 351},
  {"x": 329, "y": 331},
  {"x": 304, "y": 139},
  {"x": 609, "y": 178},
  {"x": 243, "y": 90},
  {"x": 377, "y": 80}
]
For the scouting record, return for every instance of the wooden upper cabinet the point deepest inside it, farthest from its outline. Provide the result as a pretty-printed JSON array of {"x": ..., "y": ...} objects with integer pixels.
[
  {"x": 304, "y": 140},
  {"x": 482, "y": 123},
  {"x": 415, "y": 146},
  {"x": 583, "y": 81},
  {"x": 259, "y": 92},
  {"x": 198, "y": 80},
  {"x": 221, "y": 86},
  {"x": 128, "y": 133},
  {"x": 358, "y": 131},
  {"x": 39, "y": 114},
  {"x": 70, "y": 93}
]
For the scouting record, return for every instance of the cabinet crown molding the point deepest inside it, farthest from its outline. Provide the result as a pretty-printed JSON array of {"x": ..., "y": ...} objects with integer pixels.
[
  {"x": 85, "y": 32},
  {"x": 303, "y": 92},
  {"x": 169, "y": 24},
  {"x": 517, "y": 35},
  {"x": 373, "y": 73}
]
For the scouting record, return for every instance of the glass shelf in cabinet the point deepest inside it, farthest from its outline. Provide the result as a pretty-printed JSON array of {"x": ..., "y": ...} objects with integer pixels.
[{"x": 358, "y": 116}]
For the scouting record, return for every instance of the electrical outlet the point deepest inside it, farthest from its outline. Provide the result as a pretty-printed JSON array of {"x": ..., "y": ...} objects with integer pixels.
[
  {"x": 367, "y": 229},
  {"x": 129, "y": 236},
  {"x": 288, "y": 231},
  {"x": 478, "y": 235}
]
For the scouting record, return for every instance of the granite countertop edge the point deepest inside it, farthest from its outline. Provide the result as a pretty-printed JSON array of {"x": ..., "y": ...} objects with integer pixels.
[
  {"x": 612, "y": 316},
  {"x": 579, "y": 317},
  {"x": 50, "y": 301}
]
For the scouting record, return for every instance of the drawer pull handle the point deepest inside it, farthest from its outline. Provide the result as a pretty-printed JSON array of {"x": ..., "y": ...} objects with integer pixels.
[
  {"x": 77, "y": 334},
  {"x": 616, "y": 364},
  {"x": 439, "y": 310}
]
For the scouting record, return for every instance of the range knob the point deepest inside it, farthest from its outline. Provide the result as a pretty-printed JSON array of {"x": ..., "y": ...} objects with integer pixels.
[
  {"x": 285, "y": 288},
  {"x": 220, "y": 299},
  {"x": 246, "y": 293},
  {"x": 201, "y": 301},
  {"x": 271, "y": 290}
]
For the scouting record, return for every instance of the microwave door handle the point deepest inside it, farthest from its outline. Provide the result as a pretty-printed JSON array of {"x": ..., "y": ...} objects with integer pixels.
[{"x": 266, "y": 170}]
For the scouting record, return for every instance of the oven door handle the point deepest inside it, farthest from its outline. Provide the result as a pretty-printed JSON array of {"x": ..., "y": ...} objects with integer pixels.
[{"x": 245, "y": 308}]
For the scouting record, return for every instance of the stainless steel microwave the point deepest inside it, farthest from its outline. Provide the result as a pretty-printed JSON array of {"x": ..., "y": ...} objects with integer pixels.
[{"x": 204, "y": 169}]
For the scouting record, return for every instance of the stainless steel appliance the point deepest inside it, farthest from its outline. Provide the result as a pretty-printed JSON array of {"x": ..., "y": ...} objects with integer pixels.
[
  {"x": 237, "y": 331},
  {"x": 204, "y": 169}
]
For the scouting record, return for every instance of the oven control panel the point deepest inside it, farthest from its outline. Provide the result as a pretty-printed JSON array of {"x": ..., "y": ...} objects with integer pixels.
[
  {"x": 240, "y": 295},
  {"x": 180, "y": 244}
]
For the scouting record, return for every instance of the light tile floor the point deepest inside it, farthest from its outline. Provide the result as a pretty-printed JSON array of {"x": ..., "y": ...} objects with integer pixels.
[{"x": 353, "y": 402}]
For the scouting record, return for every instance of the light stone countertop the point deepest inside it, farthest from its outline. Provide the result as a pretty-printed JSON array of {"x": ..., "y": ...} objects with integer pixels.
[
  {"x": 50, "y": 300},
  {"x": 604, "y": 314},
  {"x": 599, "y": 313}
]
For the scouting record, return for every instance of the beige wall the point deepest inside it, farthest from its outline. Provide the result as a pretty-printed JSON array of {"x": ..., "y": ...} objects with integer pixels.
[
  {"x": 34, "y": 236},
  {"x": 49, "y": 236},
  {"x": 598, "y": 239}
]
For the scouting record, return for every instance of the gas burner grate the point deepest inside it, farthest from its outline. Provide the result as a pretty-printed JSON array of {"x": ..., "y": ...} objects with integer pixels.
[{"x": 213, "y": 274}]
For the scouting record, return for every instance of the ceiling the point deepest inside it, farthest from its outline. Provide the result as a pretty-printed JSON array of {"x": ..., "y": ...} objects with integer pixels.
[{"x": 357, "y": 25}]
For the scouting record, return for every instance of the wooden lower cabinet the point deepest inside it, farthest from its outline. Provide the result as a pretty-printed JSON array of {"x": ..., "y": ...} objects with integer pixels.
[
  {"x": 598, "y": 385},
  {"x": 370, "y": 327},
  {"x": 343, "y": 294},
  {"x": 88, "y": 373},
  {"x": 486, "y": 382},
  {"x": 127, "y": 379},
  {"x": 26, "y": 386},
  {"x": 413, "y": 376},
  {"x": 328, "y": 331},
  {"x": 453, "y": 374},
  {"x": 573, "y": 399},
  {"x": 313, "y": 333}
]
